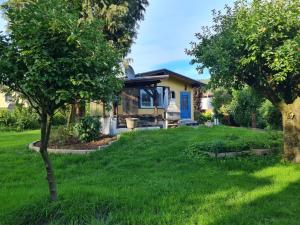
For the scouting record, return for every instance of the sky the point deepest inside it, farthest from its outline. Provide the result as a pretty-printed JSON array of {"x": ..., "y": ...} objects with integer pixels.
[{"x": 168, "y": 29}]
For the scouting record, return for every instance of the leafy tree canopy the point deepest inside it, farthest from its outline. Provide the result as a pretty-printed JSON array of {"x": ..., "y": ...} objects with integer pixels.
[
  {"x": 120, "y": 18},
  {"x": 255, "y": 43},
  {"x": 51, "y": 58}
]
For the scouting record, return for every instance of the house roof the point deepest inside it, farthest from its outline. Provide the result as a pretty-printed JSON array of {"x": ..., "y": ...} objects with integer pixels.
[
  {"x": 170, "y": 73},
  {"x": 144, "y": 80}
]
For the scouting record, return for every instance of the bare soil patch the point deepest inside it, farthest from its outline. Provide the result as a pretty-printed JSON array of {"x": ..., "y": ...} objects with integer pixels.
[{"x": 76, "y": 145}]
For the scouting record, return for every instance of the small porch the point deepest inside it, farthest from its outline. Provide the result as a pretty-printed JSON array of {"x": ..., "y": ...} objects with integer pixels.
[{"x": 143, "y": 99}]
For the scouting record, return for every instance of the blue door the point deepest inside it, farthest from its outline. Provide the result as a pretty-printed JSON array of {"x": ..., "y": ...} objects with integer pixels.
[{"x": 185, "y": 105}]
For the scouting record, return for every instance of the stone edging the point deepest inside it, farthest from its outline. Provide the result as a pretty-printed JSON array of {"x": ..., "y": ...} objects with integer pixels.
[
  {"x": 258, "y": 152},
  {"x": 32, "y": 146}
]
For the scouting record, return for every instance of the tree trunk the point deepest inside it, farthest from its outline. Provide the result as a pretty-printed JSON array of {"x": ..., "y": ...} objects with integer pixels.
[
  {"x": 71, "y": 117},
  {"x": 77, "y": 112},
  {"x": 291, "y": 130},
  {"x": 46, "y": 121},
  {"x": 253, "y": 120}
]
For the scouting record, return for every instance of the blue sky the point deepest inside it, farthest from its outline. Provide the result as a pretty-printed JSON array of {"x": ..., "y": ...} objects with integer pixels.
[{"x": 167, "y": 30}]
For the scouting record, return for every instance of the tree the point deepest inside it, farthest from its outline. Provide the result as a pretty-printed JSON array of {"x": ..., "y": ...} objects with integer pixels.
[
  {"x": 244, "y": 107},
  {"x": 120, "y": 18},
  {"x": 257, "y": 44},
  {"x": 52, "y": 58}
]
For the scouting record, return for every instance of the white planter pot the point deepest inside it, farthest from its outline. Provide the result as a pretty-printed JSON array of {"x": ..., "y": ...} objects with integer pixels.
[{"x": 131, "y": 123}]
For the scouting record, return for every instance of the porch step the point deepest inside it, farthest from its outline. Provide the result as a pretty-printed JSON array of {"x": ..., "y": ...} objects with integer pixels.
[{"x": 188, "y": 123}]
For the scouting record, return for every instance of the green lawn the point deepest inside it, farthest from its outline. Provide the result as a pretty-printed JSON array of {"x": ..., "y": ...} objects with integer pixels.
[{"x": 146, "y": 178}]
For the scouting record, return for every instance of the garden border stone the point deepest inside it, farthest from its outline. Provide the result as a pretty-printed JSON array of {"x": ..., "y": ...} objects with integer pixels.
[
  {"x": 32, "y": 146},
  {"x": 258, "y": 152}
]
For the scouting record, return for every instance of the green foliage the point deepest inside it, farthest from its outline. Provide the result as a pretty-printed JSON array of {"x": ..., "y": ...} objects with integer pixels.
[
  {"x": 20, "y": 119},
  {"x": 88, "y": 129},
  {"x": 255, "y": 43},
  {"x": 244, "y": 104},
  {"x": 59, "y": 58},
  {"x": 271, "y": 115},
  {"x": 59, "y": 118},
  {"x": 120, "y": 19},
  {"x": 231, "y": 142},
  {"x": 6, "y": 118},
  {"x": 26, "y": 118},
  {"x": 203, "y": 117},
  {"x": 221, "y": 101},
  {"x": 63, "y": 135}
]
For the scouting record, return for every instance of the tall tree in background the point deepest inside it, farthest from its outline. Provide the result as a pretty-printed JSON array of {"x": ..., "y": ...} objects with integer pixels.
[
  {"x": 121, "y": 18},
  {"x": 51, "y": 57},
  {"x": 258, "y": 44}
]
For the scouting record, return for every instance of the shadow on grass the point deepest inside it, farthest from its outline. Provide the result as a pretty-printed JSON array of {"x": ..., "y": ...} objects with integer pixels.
[
  {"x": 156, "y": 193},
  {"x": 281, "y": 208},
  {"x": 148, "y": 181}
]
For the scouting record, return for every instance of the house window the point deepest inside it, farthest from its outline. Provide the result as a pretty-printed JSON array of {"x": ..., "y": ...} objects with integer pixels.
[
  {"x": 173, "y": 95},
  {"x": 8, "y": 98},
  {"x": 147, "y": 100}
]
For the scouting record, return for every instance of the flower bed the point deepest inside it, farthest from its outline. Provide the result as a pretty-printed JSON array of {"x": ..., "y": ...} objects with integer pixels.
[{"x": 77, "y": 148}]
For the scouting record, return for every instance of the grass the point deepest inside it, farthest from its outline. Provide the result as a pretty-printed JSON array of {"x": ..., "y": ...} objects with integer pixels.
[{"x": 146, "y": 178}]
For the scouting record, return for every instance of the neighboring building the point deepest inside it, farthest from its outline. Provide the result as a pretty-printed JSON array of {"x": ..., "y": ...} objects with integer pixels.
[
  {"x": 6, "y": 101},
  {"x": 9, "y": 100},
  {"x": 206, "y": 100},
  {"x": 147, "y": 95}
]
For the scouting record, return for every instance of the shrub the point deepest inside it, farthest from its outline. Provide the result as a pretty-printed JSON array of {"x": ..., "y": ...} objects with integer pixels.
[
  {"x": 6, "y": 118},
  {"x": 232, "y": 143},
  {"x": 88, "y": 129},
  {"x": 25, "y": 119},
  {"x": 271, "y": 115},
  {"x": 20, "y": 118},
  {"x": 63, "y": 135},
  {"x": 204, "y": 117},
  {"x": 59, "y": 118},
  {"x": 244, "y": 104}
]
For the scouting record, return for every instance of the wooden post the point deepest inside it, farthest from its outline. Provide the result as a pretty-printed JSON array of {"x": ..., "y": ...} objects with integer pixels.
[{"x": 155, "y": 100}]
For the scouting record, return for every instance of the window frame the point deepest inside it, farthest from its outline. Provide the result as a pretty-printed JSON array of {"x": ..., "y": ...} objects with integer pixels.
[
  {"x": 142, "y": 91},
  {"x": 171, "y": 95}
]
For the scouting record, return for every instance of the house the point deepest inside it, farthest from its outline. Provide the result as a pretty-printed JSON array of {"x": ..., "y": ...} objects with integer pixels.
[
  {"x": 6, "y": 101},
  {"x": 146, "y": 96},
  {"x": 9, "y": 100},
  {"x": 206, "y": 101}
]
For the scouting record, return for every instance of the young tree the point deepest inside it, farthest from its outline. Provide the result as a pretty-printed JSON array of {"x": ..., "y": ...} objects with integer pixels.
[
  {"x": 258, "y": 44},
  {"x": 52, "y": 58}
]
